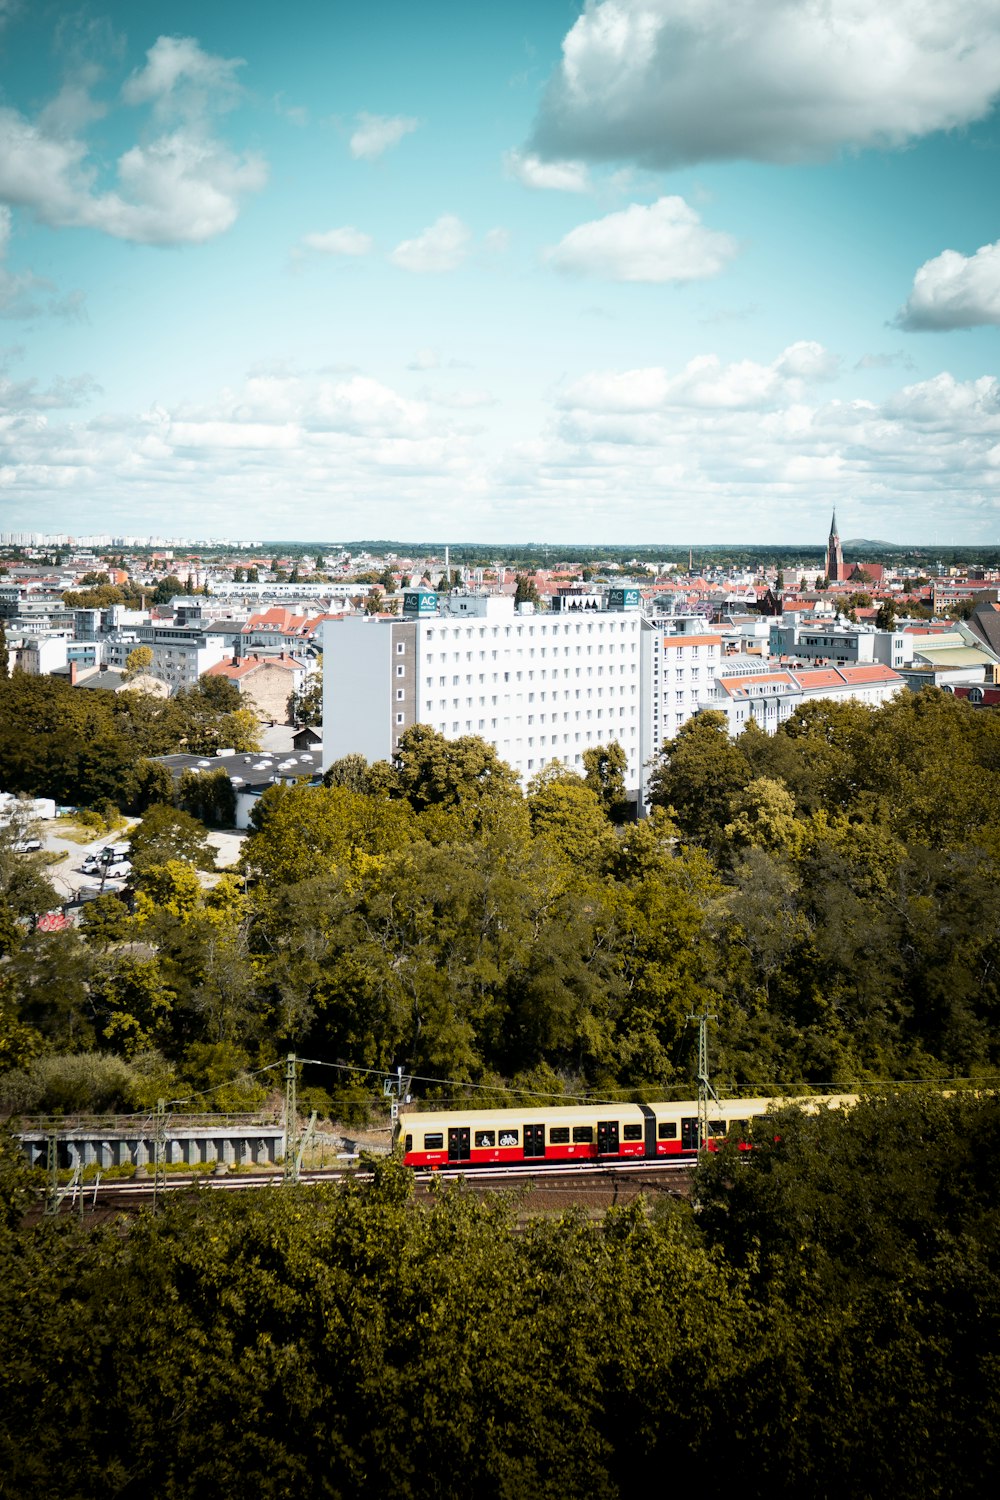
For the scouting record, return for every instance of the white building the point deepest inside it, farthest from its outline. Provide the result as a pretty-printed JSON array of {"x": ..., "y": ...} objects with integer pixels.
[
  {"x": 544, "y": 687},
  {"x": 771, "y": 696},
  {"x": 538, "y": 687},
  {"x": 680, "y": 658},
  {"x": 842, "y": 645}
]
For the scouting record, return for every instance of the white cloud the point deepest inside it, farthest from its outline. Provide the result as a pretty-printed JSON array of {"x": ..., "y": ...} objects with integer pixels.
[
  {"x": 179, "y": 78},
  {"x": 182, "y": 186},
  {"x": 344, "y": 241},
  {"x": 672, "y": 82},
  {"x": 955, "y": 291},
  {"x": 704, "y": 382},
  {"x": 374, "y": 134},
  {"x": 664, "y": 241},
  {"x": 559, "y": 176},
  {"x": 443, "y": 246}
]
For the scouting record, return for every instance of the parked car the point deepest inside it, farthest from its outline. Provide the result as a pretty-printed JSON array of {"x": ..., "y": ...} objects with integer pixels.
[{"x": 27, "y": 846}]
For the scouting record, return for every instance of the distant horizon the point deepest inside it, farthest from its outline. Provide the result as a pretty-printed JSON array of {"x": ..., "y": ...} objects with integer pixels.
[{"x": 562, "y": 551}]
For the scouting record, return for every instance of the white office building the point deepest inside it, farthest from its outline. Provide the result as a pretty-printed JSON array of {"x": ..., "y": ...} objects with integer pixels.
[{"x": 538, "y": 687}]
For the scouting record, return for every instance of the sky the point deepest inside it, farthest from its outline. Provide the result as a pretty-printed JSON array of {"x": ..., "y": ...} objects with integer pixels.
[{"x": 678, "y": 271}]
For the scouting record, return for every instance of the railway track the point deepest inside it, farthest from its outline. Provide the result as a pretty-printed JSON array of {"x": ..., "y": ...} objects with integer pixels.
[{"x": 576, "y": 1180}]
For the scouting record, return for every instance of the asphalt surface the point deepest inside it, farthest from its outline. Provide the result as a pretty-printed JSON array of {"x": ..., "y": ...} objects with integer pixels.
[{"x": 68, "y": 877}]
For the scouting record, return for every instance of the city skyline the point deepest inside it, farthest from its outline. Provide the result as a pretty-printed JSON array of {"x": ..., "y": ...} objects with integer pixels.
[{"x": 632, "y": 269}]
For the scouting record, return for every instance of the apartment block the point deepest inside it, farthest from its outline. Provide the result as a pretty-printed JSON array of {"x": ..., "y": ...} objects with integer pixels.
[{"x": 538, "y": 687}]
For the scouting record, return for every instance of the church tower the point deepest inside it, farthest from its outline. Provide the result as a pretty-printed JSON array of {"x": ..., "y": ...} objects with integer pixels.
[{"x": 835, "y": 570}]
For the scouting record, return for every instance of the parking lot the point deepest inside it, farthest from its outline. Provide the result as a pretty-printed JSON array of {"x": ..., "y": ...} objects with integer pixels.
[{"x": 68, "y": 875}]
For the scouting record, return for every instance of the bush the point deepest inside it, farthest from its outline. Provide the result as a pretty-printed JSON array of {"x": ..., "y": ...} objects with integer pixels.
[{"x": 69, "y": 1083}]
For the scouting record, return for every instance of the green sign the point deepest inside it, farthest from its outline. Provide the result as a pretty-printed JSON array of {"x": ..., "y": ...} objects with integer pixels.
[
  {"x": 623, "y": 598},
  {"x": 420, "y": 602}
]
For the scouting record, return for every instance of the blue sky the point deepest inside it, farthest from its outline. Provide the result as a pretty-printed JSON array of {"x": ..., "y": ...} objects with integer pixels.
[{"x": 640, "y": 270}]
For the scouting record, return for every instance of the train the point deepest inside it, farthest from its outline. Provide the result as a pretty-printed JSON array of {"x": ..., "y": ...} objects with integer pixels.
[{"x": 602, "y": 1133}]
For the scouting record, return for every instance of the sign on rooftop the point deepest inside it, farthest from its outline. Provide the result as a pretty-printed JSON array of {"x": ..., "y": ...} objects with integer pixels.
[
  {"x": 623, "y": 598},
  {"x": 420, "y": 602}
]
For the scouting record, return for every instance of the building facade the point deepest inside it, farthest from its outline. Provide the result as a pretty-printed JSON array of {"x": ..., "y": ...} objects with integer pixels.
[{"x": 539, "y": 687}]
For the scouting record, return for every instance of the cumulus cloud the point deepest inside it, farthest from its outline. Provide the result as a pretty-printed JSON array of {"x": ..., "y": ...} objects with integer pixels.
[
  {"x": 25, "y": 395},
  {"x": 443, "y": 246},
  {"x": 374, "y": 134},
  {"x": 183, "y": 185},
  {"x": 672, "y": 82},
  {"x": 559, "y": 176},
  {"x": 705, "y": 382},
  {"x": 954, "y": 291},
  {"x": 344, "y": 241},
  {"x": 181, "y": 79},
  {"x": 745, "y": 447},
  {"x": 662, "y": 241}
]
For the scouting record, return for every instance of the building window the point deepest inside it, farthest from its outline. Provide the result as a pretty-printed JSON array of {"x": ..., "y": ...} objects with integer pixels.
[
  {"x": 400, "y": 694},
  {"x": 399, "y": 718},
  {"x": 400, "y": 648},
  {"x": 400, "y": 671}
]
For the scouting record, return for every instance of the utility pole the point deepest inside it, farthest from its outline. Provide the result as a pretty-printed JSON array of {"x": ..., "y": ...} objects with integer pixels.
[
  {"x": 705, "y": 1090},
  {"x": 160, "y": 1151},
  {"x": 291, "y": 1121},
  {"x": 397, "y": 1091},
  {"x": 52, "y": 1174}
]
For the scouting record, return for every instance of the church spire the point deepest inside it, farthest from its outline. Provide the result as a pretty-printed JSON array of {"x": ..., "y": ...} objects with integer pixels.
[{"x": 835, "y": 570}]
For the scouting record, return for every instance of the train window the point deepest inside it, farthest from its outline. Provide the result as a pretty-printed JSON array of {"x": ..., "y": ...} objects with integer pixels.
[
  {"x": 583, "y": 1135},
  {"x": 434, "y": 1141},
  {"x": 717, "y": 1127},
  {"x": 508, "y": 1137},
  {"x": 666, "y": 1130},
  {"x": 486, "y": 1138},
  {"x": 408, "y": 1144},
  {"x": 632, "y": 1132},
  {"x": 558, "y": 1135}
]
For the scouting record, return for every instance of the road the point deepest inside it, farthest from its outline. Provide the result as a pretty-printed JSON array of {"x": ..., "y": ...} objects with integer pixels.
[{"x": 67, "y": 875}]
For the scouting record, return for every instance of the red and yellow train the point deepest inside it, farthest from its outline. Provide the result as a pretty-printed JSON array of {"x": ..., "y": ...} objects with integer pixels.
[{"x": 579, "y": 1133}]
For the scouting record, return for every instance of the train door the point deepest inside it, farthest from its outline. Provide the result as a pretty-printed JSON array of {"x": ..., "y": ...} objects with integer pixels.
[
  {"x": 607, "y": 1137},
  {"x": 458, "y": 1143},
  {"x": 534, "y": 1140},
  {"x": 690, "y": 1133}
]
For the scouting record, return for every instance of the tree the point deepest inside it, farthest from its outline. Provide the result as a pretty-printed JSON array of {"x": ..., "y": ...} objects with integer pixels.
[
  {"x": 885, "y": 618},
  {"x": 301, "y": 831},
  {"x": 525, "y": 591},
  {"x": 138, "y": 661},
  {"x": 167, "y": 588},
  {"x": 764, "y": 818},
  {"x": 452, "y": 774},
  {"x": 219, "y": 692},
  {"x": 350, "y": 771},
  {"x": 306, "y": 705},
  {"x": 373, "y": 602},
  {"x": 167, "y": 833},
  {"x": 4, "y": 654},
  {"x": 569, "y": 815},
  {"x": 697, "y": 775},
  {"x": 604, "y": 772},
  {"x": 208, "y": 796}
]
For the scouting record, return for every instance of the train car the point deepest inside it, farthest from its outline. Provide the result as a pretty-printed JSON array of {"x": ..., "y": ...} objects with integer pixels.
[{"x": 578, "y": 1133}]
